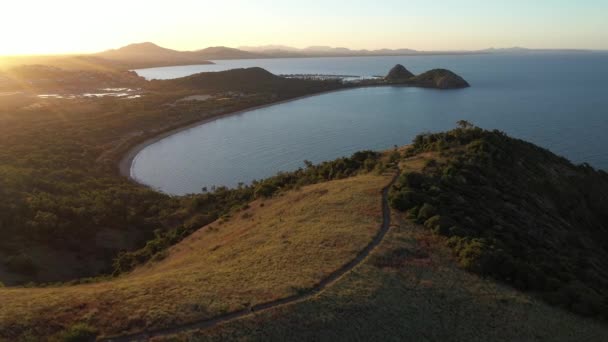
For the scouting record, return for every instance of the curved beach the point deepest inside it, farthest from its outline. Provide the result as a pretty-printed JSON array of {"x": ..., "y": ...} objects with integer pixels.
[{"x": 126, "y": 162}]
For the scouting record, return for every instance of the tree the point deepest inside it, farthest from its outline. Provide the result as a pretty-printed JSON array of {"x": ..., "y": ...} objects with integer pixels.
[{"x": 464, "y": 124}]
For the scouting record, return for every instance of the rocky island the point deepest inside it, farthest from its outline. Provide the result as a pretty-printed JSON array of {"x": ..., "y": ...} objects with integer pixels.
[{"x": 436, "y": 78}]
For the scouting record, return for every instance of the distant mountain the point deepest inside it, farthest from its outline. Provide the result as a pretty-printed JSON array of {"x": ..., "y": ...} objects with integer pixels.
[
  {"x": 322, "y": 51},
  {"x": 222, "y": 52},
  {"x": 139, "y": 49},
  {"x": 517, "y": 49},
  {"x": 268, "y": 48},
  {"x": 148, "y": 54},
  {"x": 328, "y": 51}
]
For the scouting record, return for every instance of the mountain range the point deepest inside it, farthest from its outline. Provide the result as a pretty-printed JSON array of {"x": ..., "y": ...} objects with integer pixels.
[{"x": 149, "y": 55}]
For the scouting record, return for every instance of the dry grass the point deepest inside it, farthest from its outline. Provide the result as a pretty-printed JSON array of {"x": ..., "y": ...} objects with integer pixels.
[
  {"x": 410, "y": 289},
  {"x": 272, "y": 250},
  {"x": 424, "y": 297}
]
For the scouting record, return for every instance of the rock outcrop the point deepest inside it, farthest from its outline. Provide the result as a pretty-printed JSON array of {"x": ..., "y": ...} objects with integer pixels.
[{"x": 398, "y": 73}]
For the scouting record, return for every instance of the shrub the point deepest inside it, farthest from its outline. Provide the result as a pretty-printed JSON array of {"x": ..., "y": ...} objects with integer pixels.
[
  {"x": 414, "y": 180},
  {"x": 412, "y": 214},
  {"x": 265, "y": 190},
  {"x": 438, "y": 224},
  {"x": 79, "y": 333},
  {"x": 426, "y": 212},
  {"x": 404, "y": 200},
  {"x": 22, "y": 264}
]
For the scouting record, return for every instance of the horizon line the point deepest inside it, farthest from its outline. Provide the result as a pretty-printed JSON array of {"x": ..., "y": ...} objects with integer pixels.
[{"x": 67, "y": 54}]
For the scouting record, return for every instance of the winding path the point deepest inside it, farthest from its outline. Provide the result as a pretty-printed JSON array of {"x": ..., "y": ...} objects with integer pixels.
[{"x": 323, "y": 284}]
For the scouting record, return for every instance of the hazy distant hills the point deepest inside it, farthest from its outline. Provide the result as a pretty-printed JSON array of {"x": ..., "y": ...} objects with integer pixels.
[
  {"x": 517, "y": 49},
  {"x": 222, "y": 52},
  {"x": 317, "y": 51},
  {"x": 149, "y": 55}
]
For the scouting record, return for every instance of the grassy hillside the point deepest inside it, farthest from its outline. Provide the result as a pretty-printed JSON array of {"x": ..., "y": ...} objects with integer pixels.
[
  {"x": 516, "y": 212},
  {"x": 411, "y": 289},
  {"x": 270, "y": 249}
]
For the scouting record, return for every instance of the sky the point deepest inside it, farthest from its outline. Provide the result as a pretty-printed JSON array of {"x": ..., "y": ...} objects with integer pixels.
[{"x": 79, "y": 26}]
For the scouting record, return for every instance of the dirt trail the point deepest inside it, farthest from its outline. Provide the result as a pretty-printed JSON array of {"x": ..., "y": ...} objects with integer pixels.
[{"x": 323, "y": 284}]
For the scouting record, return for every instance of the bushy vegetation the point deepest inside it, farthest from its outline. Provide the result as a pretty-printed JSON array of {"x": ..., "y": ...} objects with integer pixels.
[{"x": 515, "y": 212}]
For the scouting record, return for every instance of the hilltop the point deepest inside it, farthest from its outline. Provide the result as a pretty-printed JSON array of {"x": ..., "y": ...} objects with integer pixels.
[
  {"x": 515, "y": 212},
  {"x": 147, "y": 55},
  {"x": 398, "y": 73}
]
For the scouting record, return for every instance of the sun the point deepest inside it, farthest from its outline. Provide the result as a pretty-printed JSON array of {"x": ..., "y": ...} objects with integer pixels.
[{"x": 58, "y": 27}]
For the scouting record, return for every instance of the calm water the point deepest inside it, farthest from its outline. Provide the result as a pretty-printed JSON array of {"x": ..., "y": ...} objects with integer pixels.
[{"x": 557, "y": 101}]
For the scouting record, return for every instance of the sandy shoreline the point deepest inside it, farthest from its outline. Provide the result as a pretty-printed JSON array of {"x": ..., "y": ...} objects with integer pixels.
[{"x": 126, "y": 162}]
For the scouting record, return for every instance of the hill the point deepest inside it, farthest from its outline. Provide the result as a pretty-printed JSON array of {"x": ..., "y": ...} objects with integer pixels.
[
  {"x": 231, "y": 264},
  {"x": 249, "y": 80},
  {"x": 398, "y": 73},
  {"x": 410, "y": 289},
  {"x": 515, "y": 212},
  {"x": 148, "y": 55},
  {"x": 440, "y": 79},
  {"x": 436, "y": 78},
  {"x": 281, "y": 246},
  {"x": 45, "y": 78}
]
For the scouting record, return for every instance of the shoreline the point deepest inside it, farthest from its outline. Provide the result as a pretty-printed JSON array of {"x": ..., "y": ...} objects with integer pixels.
[
  {"x": 421, "y": 54},
  {"x": 125, "y": 165}
]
